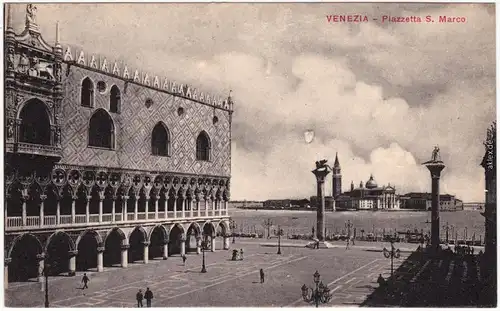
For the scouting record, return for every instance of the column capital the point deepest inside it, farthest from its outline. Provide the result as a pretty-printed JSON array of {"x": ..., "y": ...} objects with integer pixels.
[
  {"x": 124, "y": 247},
  {"x": 89, "y": 197},
  {"x": 40, "y": 256},
  {"x": 145, "y": 243},
  {"x": 125, "y": 197},
  {"x": 100, "y": 249},
  {"x": 7, "y": 261},
  {"x": 43, "y": 197},
  {"x": 73, "y": 253}
]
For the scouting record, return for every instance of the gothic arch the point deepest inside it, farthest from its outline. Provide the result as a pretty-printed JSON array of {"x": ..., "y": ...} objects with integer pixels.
[
  {"x": 119, "y": 231},
  {"x": 101, "y": 130},
  {"x": 162, "y": 228},
  {"x": 160, "y": 140},
  {"x": 212, "y": 228},
  {"x": 140, "y": 229},
  {"x": 114, "y": 99},
  {"x": 87, "y": 93},
  {"x": 96, "y": 235},
  {"x": 19, "y": 238},
  {"x": 203, "y": 146},
  {"x": 60, "y": 233},
  {"x": 35, "y": 122}
]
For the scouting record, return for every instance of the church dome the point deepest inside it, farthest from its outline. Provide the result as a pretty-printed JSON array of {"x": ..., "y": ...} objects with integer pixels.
[{"x": 371, "y": 183}]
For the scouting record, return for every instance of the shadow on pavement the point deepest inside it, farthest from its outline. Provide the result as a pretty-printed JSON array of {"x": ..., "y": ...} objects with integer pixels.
[{"x": 442, "y": 279}]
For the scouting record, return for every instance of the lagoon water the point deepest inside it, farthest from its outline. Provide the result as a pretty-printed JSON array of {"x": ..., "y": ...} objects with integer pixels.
[{"x": 301, "y": 222}]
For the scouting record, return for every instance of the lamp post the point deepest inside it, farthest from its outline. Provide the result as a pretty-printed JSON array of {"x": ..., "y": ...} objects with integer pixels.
[
  {"x": 393, "y": 253},
  {"x": 46, "y": 268},
  {"x": 268, "y": 223},
  {"x": 280, "y": 233},
  {"x": 204, "y": 244},
  {"x": 320, "y": 294},
  {"x": 348, "y": 226},
  {"x": 232, "y": 226}
]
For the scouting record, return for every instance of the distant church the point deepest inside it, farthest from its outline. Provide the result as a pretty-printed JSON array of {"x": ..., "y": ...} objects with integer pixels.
[{"x": 366, "y": 197}]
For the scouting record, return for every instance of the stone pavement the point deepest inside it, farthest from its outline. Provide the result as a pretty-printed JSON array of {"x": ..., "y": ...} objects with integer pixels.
[{"x": 351, "y": 275}]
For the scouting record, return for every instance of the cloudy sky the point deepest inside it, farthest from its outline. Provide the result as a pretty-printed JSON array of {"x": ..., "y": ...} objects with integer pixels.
[{"x": 381, "y": 95}]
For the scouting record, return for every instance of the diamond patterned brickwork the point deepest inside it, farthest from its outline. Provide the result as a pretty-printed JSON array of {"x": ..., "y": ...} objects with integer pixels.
[{"x": 134, "y": 125}]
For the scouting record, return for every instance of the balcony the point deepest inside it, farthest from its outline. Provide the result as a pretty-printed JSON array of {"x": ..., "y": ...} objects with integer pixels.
[
  {"x": 21, "y": 139},
  {"x": 14, "y": 223}
]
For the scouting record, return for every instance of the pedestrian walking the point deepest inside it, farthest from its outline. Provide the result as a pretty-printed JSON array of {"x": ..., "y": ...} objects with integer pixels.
[
  {"x": 241, "y": 253},
  {"x": 261, "y": 276},
  {"x": 85, "y": 280},
  {"x": 148, "y": 295},
  {"x": 184, "y": 258},
  {"x": 139, "y": 298}
]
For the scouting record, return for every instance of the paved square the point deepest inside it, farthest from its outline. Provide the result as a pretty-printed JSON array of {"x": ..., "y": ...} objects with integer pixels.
[{"x": 350, "y": 274}]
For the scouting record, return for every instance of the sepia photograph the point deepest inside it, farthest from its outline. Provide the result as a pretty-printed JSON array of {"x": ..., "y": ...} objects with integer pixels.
[{"x": 259, "y": 155}]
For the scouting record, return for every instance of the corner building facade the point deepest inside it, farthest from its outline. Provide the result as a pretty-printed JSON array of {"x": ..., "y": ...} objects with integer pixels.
[{"x": 103, "y": 170}]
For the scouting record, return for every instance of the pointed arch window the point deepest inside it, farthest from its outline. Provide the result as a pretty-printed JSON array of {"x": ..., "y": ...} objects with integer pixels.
[
  {"x": 87, "y": 95},
  {"x": 203, "y": 147},
  {"x": 35, "y": 123},
  {"x": 160, "y": 140},
  {"x": 101, "y": 130},
  {"x": 114, "y": 99}
]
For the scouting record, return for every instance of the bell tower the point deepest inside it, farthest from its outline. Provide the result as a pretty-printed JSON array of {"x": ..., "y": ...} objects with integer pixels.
[{"x": 336, "y": 178}]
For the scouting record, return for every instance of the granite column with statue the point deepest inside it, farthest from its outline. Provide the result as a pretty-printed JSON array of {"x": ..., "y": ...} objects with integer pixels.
[
  {"x": 321, "y": 171},
  {"x": 435, "y": 166}
]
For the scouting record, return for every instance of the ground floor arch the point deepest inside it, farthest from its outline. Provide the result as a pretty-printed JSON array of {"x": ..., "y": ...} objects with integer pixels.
[
  {"x": 192, "y": 238},
  {"x": 59, "y": 254},
  {"x": 88, "y": 245},
  {"x": 158, "y": 242},
  {"x": 113, "y": 248},
  {"x": 138, "y": 245},
  {"x": 25, "y": 255},
  {"x": 177, "y": 239}
]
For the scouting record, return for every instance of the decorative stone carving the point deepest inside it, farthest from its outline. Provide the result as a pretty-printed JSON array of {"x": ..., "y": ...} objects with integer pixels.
[
  {"x": 31, "y": 14},
  {"x": 58, "y": 177},
  {"x": 41, "y": 69},
  {"x": 11, "y": 59},
  {"x": 435, "y": 154},
  {"x": 57, "y": 73},
  {"x": 24, "y": 64},
  {"x": 10, "y": 128},
  {"x": 57, "y": 137}
]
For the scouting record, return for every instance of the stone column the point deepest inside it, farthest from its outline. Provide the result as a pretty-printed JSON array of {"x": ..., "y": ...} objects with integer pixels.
[
  {"x": 435, "y": 168},
  {"x": 155, "y": 200},
  {"x": 320, "y": 173},
  {"x": 136, "y": 207},
  {"x": 5, "y": 214},
  {"x": 87, "y": 209},
  {"x": 72, "y": 262},
  {"x": 183, "y": 245},
  {"x": 226, "y": 242},
  {"x": 146, "y": 207},
  {"x": 183, "y": 206},
  {"x": 113, "y": 209},
  {"x": 6, "y": 272},
  {"x": 41, "y": 265},
  {"x": 212, "y": 244},
  {"x": 100, "y": 259},
  {"x": 125, "y": 255},
  {"x": 124, "y": 207},
  {"x": 101, "y": 199},
  {"x": 73, "y": 209},
  {"x": 23, "y": 213},
  {"x": 58, "y": 212},
  {"x": 146, "y": 251},
  {"x": 198, "y": 213},
  {"x": 198, "y": 245},
  {"x": 165, "y": 249},
  {"x": 42, "y": 208},
  {"x": 175, "y": 206},
  {"x": 191, "y": 205}
]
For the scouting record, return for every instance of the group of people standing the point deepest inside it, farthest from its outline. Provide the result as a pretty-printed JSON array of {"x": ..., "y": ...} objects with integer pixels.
[{"x": 148, "y": 296}]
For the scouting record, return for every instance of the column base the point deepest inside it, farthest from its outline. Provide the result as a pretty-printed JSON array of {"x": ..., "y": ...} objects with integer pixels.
[
  {"x": 71, "y": 273},
  {"x": 165, "y": 258}
]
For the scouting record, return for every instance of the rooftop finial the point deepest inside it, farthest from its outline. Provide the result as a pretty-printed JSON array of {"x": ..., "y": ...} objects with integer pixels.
[
  {"x": 31, "y": 17},
  {"x": 57, "y": 33},
  {"x": 336, "y": 163},
  {"x": 9, "y": 16}
]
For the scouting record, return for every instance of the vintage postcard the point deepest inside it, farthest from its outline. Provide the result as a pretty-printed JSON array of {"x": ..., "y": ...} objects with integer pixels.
[{"x": 249, "y": 155}]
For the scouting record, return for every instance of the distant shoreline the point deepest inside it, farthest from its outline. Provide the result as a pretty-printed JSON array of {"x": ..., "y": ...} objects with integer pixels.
[{"x": 340, "y": 211}]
